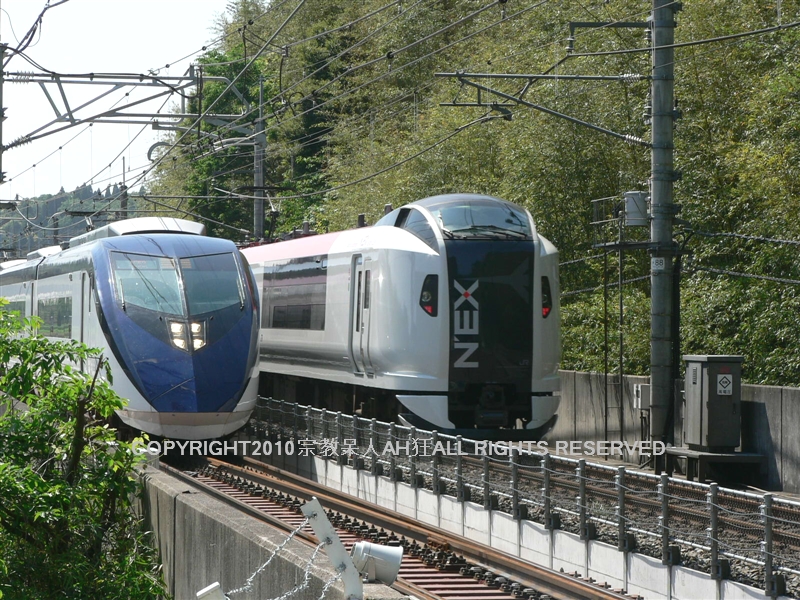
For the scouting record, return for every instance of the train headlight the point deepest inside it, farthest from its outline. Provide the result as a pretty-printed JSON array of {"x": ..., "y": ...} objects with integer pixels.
[
  {"x": 177, "y": 333},
  {"x": 428, "y": 297},
  {"x": 187, "y": 336},
  {"x": 198, "y": 330}
]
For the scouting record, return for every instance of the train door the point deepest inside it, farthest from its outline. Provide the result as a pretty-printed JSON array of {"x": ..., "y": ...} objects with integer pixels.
[
  {"x": 85, "y": 307},
  {"x": 359, "y": 310}
]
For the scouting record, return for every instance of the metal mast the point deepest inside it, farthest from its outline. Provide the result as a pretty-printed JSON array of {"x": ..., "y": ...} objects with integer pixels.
[
  {"x": 663, "y": 209},
  {"x": 258, "y": 168}
]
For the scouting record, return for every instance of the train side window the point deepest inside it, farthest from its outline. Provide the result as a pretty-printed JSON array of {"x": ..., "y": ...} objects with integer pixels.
[
  {"x": 358, "y": 304},
  {"x": 56, "y": 316},
  {"x": 366, "y": 289},
  {"x": 415, "y": 222},
  {"x": 547, "y": 298}
]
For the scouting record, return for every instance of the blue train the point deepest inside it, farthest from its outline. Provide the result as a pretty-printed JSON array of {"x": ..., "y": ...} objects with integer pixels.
[{"x": 174, "y": 312}]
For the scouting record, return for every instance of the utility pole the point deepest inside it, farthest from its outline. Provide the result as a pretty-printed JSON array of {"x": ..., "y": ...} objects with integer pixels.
[
  {"x": 123, "y": 196},
  {"x": 662, "y": 210},
  {"x": 2, "y": 108},
  {"x": 258, "y": 168}
]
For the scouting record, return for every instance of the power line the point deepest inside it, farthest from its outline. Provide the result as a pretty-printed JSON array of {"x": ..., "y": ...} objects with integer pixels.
[
  {"x": 600, "y": 287},
  {"x": 741, "y": 236},
  {"x": 389, "y": 73},
  {"x": 380, "y": 172},
  {"x": 746, "y": 275},
  {"x": 692, "y": 43}
]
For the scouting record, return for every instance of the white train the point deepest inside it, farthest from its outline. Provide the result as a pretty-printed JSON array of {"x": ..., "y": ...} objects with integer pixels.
[
  {"x": 172, "y": 310},
  {"x": 445, "y": 311}
]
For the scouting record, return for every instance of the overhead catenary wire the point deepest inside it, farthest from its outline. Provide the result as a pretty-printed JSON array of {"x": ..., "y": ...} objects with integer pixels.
[
  {"x": 153, "y": 73},
  {"x": 392, "y": 72},
  {"x": 408, "y": 64},
  {"x": 742, "y": 236},
  {"x": 140, "y": 177},
  {"x": 600, "y": 287},
  {"x": 693, "y": 42},
  {"x": 381, "y": 171},
  {"x": 745, "y": 275}
]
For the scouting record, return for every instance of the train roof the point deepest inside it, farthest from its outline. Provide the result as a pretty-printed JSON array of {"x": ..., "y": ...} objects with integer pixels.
[
  {"x": 443, "y": 200},
  {"x": 128, "y": 227},
  {"x": 140, "y": 225},
  {"x": 315, "y": 245}
]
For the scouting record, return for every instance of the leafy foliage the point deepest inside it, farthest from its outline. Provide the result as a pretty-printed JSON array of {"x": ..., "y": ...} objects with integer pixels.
[
  {"x": 67, "y": 529},
  {"x": 355, "y": 119}
]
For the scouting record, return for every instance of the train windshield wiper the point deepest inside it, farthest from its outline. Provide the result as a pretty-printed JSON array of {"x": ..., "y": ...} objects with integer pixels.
[{"x": 491, "y": 230}]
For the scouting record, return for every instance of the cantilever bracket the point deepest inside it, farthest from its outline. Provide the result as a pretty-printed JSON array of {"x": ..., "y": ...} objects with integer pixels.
[{"x": 353, "y": 586}]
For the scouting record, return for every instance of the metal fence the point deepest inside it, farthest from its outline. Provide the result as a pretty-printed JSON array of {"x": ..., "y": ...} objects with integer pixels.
[{"x": 704, "y": 526}]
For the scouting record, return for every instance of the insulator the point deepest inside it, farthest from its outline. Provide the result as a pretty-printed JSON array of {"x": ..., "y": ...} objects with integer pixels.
[
  {"x": 20, "y": 141},
  {"x": 631, "y": 77},
  {"x": 21, "y": 77},
  {"x": 632, "y": 139}
]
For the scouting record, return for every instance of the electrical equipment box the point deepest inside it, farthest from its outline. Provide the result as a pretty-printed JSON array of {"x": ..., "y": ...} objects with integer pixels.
[
  {"x": 641, "y": 396},
  {"x": 712, "y": 418},
  {"x": 636, "y": 209}
]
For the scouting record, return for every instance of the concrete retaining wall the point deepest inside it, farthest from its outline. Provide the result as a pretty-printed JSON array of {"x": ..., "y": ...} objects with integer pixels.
[
  {"x": 202, "y": 540},
  {"x": 528, "y": 540},
  {"x": 767, "y": 415}
]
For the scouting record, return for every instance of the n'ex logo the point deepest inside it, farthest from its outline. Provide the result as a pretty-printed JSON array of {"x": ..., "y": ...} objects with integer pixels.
[{"x": 465, "y": 322}]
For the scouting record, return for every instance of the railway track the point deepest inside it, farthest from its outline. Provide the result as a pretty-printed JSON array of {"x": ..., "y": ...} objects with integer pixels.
[
  {"x": 436, "y": 564},
  {"x": 750, "y": 538}
]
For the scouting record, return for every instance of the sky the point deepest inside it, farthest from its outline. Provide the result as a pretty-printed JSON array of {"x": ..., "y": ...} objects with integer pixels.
[{"x": 92, "y": 36}]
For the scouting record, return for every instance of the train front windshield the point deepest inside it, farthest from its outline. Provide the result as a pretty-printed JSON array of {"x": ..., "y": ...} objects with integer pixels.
[
  {"x": 186, "y": 286},
  {"x": 481, "y": 219}
]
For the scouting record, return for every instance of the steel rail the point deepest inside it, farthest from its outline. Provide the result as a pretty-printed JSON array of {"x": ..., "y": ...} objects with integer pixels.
[
  {"x": 527, "y": 573},
  {"x": 547, "y": 581}
]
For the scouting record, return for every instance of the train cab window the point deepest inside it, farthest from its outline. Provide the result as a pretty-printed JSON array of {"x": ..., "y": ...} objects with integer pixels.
[
  {"x": 150, "y": 282},
  {"x": 212, "y": 282},
  {"x": 481, "y": 220},
  {"x": 415, "y": 222}
]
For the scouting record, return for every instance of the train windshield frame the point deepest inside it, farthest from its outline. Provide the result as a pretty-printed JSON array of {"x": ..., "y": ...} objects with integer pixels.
[
  {"x": 481, "y": 219},
  {"x": 160, "y": 283}
]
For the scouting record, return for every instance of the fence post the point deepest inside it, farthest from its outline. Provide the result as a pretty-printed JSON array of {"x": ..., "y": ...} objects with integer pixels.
[
  {"x": 393, "y": 474},
  {"x": 517, "y": 511},
  {"x": 718, "y": 568},
  {"x": 340, "y": 458},
  {"x": 774, "y": 583},
  {"x": 412, "y": 445},
  {"x": 664, "y": 518},
  {"x": 357, "y": 460},
  {"x": 295, "y": 422},
  {"x": 435, "y": 464},
  {"x": 489, "y": 501},
  {"x": 374, "y": 466},
  {"x": 625, "y": 541},
  {"x": 462, "y": 493},
  {"x": 588, "y": 531},
  {"x": 551, "y": 520}
]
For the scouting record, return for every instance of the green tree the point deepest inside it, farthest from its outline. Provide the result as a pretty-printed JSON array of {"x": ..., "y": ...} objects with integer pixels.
[{"x": 67, "y": 525}]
